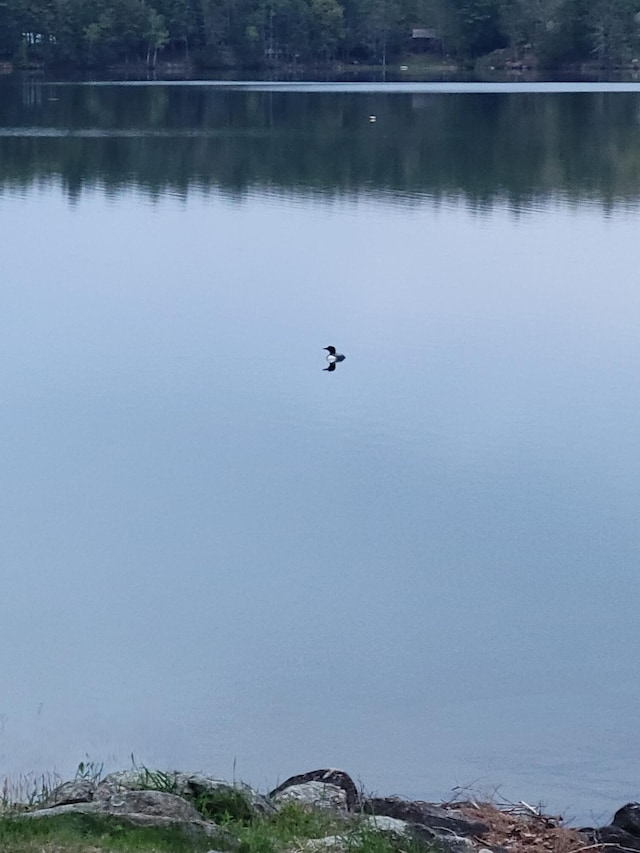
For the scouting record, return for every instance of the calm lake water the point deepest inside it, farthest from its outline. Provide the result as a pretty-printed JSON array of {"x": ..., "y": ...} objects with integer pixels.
[{"x": 421, "y": 567}]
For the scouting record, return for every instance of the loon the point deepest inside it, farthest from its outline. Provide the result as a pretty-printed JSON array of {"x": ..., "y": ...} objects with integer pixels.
[{"x": 333, "y": 357}]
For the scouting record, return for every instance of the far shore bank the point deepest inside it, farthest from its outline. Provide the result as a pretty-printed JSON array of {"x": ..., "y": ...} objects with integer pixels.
[{"x": 487, "y": 69}]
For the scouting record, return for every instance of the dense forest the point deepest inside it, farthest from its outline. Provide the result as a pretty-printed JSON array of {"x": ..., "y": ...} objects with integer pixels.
[{"x": 263, "y": 33}]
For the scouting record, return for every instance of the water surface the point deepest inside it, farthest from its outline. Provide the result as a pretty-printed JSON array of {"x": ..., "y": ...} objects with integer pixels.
[{"x": 421, "y": 567}]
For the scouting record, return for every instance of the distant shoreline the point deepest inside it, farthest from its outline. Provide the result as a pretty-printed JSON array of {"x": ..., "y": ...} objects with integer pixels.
[{"x": 408, "y": 69}]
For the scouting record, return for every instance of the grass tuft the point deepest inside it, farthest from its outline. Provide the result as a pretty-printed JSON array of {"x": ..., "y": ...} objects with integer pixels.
[
  {"x": 157, "y": 780},
  {"x": 90, "y": 770},
  {"x": 26, "y": 792},
  {"x": 226, "y": 805}
]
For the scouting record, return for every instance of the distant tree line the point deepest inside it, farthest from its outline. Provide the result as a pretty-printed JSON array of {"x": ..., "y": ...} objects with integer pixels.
[{"x": 259, "y": 33}]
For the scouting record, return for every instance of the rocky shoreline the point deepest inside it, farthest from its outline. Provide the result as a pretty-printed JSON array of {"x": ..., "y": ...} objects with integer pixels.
[{"x": 213, "y": 807}]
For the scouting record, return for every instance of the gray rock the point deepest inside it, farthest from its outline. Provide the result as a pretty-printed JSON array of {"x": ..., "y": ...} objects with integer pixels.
[
  {"x": 437, "y": 819},
  {"x": 140, "y": 808},
  {"x": 394, "y": 826},
  {"x": 150, "y": 803},
  {"x": 456, "y": 844},
  {"x": 329, "y": 777},
  {"x": 448, "y": 842},
  {"x": 383, "y": 823},
  {"x": 154, "y": 803},
  {"x": 135, "y": 780},
  {"x": 140, "y": 819},
  {"x": 333, "y": 843},
  {"x": 317, "y": 795},
  {"x": 242, "y": 800},
  {"x": 75, "y": 791},
  {"x": 67, "y": 808}
]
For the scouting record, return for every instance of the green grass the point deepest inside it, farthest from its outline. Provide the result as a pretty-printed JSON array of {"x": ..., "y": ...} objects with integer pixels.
[
  {"x": 287, "y": 831},
  {"x": 226, "y": 806},
  {"x": 156, "y": 780},
  {"x": 77, "y": 833},
  {"x": 293, "y": 826}
]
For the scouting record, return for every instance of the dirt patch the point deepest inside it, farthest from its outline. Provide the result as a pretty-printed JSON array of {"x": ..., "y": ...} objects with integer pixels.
[{"x": 520, "y": 830}]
